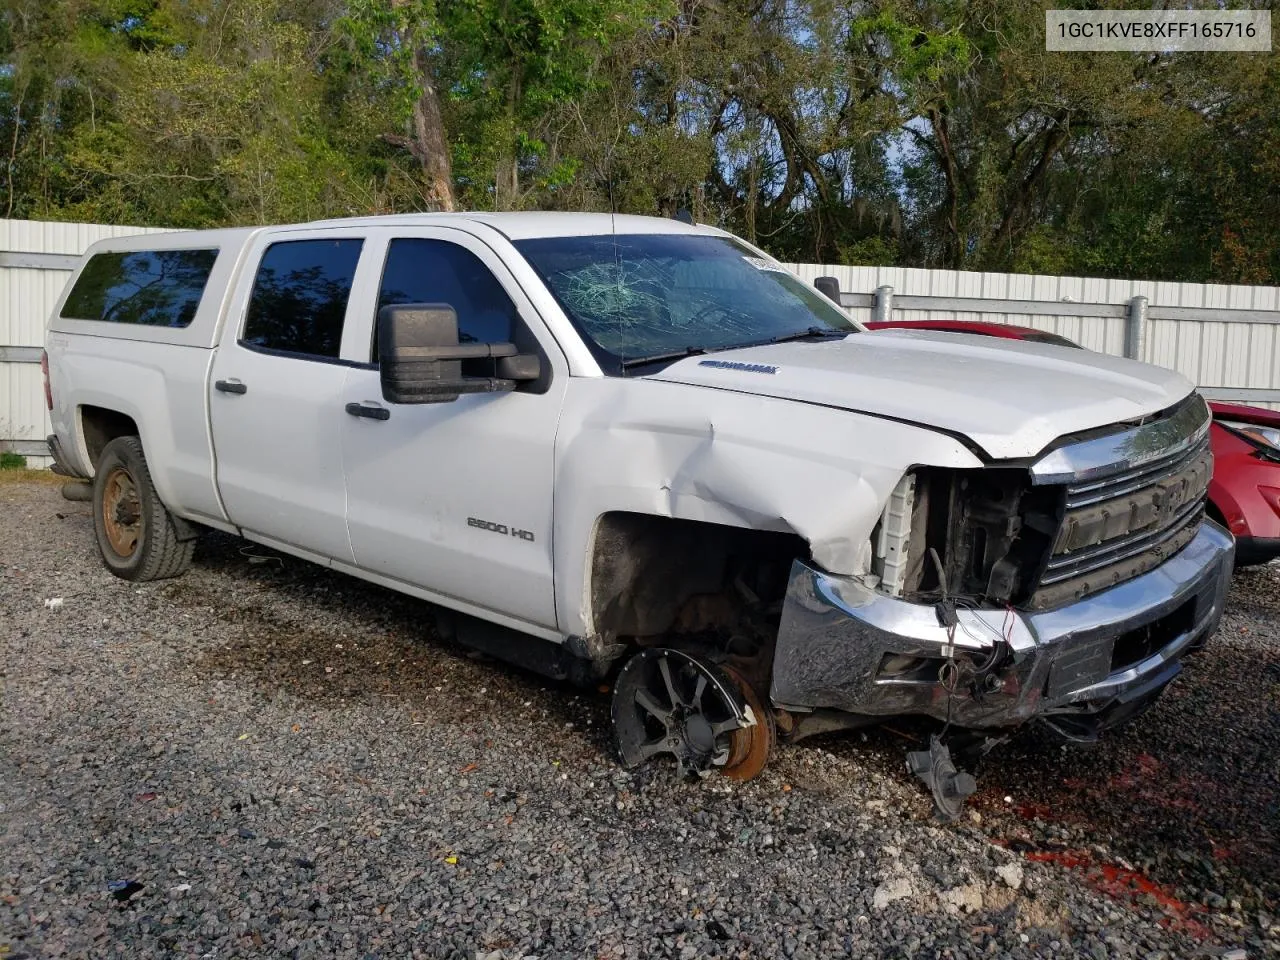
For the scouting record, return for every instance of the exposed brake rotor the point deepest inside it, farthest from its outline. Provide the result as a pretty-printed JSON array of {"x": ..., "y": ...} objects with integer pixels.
[{"x": 750, "y": 747}]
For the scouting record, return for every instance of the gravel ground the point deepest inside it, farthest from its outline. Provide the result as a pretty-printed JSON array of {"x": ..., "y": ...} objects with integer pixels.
[{"x": 281, "y": 761}]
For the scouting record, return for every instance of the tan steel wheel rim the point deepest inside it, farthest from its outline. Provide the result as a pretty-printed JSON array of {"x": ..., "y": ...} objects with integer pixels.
[{"x": 121, "y": 512}]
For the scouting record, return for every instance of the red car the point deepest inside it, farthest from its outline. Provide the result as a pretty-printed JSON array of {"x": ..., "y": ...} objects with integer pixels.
[{"x": 1244, "y": 494}]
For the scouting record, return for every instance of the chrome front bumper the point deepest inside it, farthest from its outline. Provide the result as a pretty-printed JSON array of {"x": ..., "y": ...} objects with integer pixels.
[{"x": 842, "y": 646}]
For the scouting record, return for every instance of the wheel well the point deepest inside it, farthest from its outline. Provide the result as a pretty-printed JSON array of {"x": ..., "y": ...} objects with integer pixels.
[
  {"x": 100, "y": 426},
  {"x": 654, "y": 575}
]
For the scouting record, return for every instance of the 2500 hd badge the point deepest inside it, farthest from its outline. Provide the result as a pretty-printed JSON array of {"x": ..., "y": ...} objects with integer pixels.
[{"x": 501, "y": 528}]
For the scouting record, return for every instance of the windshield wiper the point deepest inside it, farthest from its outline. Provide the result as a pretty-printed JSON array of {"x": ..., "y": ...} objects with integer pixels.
[
  {"x": 693, "y": 351},
  {"x": 805, "y": 334},
  {"x": 809, "y": 332},
  {"x": 660, "y": 357}
]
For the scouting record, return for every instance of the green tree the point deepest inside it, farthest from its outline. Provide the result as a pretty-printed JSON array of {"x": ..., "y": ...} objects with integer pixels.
[
  {"x": 921, "y": 132},
  {"x": 395, "y": 47}
]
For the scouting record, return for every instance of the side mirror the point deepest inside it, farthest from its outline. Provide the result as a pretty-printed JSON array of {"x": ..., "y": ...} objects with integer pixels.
[
  {"x": 829, "y": 286},
  {"x": 420, "y": 358}
]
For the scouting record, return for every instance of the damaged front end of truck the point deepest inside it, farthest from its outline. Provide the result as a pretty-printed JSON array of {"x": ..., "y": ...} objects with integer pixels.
[{"x": 1067, "y": 591}]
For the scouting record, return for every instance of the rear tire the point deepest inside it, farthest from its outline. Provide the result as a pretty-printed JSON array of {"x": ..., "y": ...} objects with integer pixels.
[{"x": 136, "y": 534}]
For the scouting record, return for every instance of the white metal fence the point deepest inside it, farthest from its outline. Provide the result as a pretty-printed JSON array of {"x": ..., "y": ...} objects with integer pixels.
[{"x": 1224, "y": 338}]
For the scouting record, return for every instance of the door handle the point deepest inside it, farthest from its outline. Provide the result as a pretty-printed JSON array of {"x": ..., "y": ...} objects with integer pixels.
[
  {"x": 230, "y": 386},
  {"x": 370, "y": 411}
]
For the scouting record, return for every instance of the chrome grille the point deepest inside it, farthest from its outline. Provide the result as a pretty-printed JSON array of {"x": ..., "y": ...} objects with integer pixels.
[
  {"x": 1133, "y": 514},
  {"x": 1068, "y": 565},
  {"x": 1084, "y": 494}
]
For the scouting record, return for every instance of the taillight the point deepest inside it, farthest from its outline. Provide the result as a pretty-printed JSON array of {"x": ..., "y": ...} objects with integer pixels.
[{"x": 44, "y": 368}]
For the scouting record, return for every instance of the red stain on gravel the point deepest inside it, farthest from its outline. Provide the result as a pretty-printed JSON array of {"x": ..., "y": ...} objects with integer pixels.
[
  {"x": 1033, "y": 811},
  {"x": 1121, "y": 883},
  {"x": 1147, "y": 780}
]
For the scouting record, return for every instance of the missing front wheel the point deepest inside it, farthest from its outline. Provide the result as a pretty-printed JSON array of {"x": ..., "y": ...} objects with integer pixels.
[{"x": 669, "y": 702}]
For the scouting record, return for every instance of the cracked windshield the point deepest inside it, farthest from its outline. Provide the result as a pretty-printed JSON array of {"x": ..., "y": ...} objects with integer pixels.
[{"x": 646, "y": 298}]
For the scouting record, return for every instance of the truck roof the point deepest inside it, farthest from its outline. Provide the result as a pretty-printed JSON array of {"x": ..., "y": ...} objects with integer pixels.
[
  {"x": 541, "y": 223},
  {"x": 203, "y": 329},
  {"x": 515, "y": 226}
]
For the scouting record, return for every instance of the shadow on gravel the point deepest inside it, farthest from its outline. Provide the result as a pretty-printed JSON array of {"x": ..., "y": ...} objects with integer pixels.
[{"x": 332, "y": 639}]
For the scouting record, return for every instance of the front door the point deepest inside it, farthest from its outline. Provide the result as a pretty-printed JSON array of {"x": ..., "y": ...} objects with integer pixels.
[
  {"x": 275, "y": 397},
  {"x": 456, "y": 497}
]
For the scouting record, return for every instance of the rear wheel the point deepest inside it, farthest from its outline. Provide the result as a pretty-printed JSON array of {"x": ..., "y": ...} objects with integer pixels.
[
  {"x": 136, "y": 534},
  {"x": 668, "y": 702}
]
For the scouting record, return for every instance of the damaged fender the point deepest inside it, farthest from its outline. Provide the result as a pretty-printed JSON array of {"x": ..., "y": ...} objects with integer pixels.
[{"x": 719, "y": 456}]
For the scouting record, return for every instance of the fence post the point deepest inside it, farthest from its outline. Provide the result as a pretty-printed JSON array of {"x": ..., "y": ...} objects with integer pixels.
[
  {"x": 1135, "y": 328},
  {"x": 882, "y": 308}
]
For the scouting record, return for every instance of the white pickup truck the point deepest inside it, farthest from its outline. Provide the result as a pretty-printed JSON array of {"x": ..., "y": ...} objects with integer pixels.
[{"x": 635, "y": 449}]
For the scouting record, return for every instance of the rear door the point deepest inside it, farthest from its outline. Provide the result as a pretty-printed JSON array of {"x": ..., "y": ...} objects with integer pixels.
[
  {"x": 456, "y": 497},
  {"x": 275, "y": 397}
]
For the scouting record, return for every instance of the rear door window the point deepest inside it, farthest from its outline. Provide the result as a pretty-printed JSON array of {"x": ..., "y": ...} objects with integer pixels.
[
  {"x": 299, "y": 299},
  {"x": 156, "y": 288}
]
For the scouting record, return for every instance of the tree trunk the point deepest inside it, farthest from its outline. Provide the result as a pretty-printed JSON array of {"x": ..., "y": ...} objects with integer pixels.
[
  {"x": 506, "y": 184},
  {"x": 1055, "y": 139},
  {"x": 506, "y": 174},
  {"x": 954, "y": 246},
  {"x": 432, "y": 146}
]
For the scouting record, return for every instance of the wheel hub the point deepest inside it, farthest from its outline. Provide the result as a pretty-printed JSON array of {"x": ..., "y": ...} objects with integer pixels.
[
  {"x": 698, "y": 733},
  {"x": 691, "y": 739},
  {"x": 121, "y": 512}
]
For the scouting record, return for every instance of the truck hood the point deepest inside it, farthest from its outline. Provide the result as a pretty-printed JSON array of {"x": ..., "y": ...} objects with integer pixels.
[{"x": 1011, "y": 398}]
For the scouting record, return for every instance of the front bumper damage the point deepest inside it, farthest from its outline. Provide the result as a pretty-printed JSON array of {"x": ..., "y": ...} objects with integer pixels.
[{"x": 1080, "y": 667}]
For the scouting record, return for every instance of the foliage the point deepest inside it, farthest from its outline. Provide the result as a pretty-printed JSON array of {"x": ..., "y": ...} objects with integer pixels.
[{"x": 917, "y": 132}]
